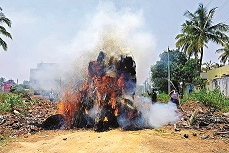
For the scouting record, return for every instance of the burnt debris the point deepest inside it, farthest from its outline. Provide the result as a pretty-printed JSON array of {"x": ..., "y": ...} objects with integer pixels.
[
  {"x": 105, "y": 99},
  {"x": 199, "y": 117}
]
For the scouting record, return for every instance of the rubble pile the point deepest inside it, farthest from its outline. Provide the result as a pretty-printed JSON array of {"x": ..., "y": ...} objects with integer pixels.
[
  {"x": 39, "y": 115},
  {"x": 201, "y": 118},
  {"x": 22, "y": 122}
]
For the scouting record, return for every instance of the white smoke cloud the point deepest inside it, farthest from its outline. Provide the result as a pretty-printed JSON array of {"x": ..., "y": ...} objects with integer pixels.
[
  {"x": 113, "y": 30},
  {"x": 158, "y": 114},
  {"x": 127, "y": 29},
  {"x": 50, "y": 37}
]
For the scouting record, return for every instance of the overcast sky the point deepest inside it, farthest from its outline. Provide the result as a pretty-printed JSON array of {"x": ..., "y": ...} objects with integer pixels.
[{"x": 56, "y": 31}]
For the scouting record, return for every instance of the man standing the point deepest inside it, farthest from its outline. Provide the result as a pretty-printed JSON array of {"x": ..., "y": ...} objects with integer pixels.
[
  {"x": 190, "y": 88},
  {"x": 153, "y": 96}
]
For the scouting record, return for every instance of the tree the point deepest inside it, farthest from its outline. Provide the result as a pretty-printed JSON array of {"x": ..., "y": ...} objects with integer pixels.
[
  {"x": 209, "y": 66},
  {"x": 181, "y": 70},
  {"x": 189, "y": 71},
  {"x": 3, "y": 31},
  {"x": 198, "y": 31},
  {"x": 224, "y": 57},
  {"x": 2, "y": 79}
]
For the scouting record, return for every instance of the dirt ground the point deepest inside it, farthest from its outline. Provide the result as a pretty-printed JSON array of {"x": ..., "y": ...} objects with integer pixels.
[{"x": 163, "y": 139}]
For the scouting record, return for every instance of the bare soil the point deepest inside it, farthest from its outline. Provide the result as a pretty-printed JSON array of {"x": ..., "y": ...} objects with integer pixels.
[{"x": 163, "y": 139}]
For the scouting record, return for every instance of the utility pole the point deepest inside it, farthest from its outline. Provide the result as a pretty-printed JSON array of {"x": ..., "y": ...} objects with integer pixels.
[{"x": 168, "y": 72}]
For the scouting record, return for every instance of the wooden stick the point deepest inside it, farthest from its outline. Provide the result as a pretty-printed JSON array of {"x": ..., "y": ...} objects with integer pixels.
[
  {"x": 222, "y": 132},
  {"x": 191, "y": 119}
]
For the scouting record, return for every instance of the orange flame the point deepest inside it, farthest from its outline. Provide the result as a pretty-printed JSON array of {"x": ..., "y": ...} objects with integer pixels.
[
  {"x": 69, "y": 104},
  {"x": 116, "y": 112},
  {"x": 103, "y": 87}
]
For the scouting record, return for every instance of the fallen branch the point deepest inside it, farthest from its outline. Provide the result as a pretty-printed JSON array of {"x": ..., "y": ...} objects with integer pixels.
[
  {"x": 221, "y": 132},
  {"x": 193, "y": 116}
]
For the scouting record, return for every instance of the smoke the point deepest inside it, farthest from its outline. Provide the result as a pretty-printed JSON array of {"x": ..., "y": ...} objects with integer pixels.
[
  {"x": 121, "y": 32},
  {"x": 112, "y": 30},
  {"x": 115, "y": 31},
  {"x": 157, "y": 114}
]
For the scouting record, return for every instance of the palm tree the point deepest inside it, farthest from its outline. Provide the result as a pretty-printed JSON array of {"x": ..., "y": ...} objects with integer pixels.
[
  {"x": 198, "y": 31},
  {"x": 224, "y": 57},
  {"x": 3, "y": 31},
  {"x": 209, "y": 66},
  {"x": 186, "y": 42}
]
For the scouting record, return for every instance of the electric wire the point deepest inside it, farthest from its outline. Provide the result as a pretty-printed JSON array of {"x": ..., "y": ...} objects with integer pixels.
[
  {"x": 222, "y": 6},
  {"x": 209, "y": 3}
]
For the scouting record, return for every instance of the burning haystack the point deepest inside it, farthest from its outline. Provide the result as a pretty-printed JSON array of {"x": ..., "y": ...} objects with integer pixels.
[{"x": 105, "y": 100}]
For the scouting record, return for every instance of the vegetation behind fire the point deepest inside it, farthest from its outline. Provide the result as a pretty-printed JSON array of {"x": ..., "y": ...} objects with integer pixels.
[
  {"x": 214, "y": 100},
  {"x": 14, "y": 101},
  {"x": 183, "y": 69}
]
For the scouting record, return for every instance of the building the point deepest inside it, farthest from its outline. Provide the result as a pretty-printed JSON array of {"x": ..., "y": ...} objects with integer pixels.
[
  {"x": 45, "y": 78},
  {"x": 219, "y": 78},
  {"x": 7, "y": 85}
]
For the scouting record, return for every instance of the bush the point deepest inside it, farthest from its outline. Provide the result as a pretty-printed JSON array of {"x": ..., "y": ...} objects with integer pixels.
[
  {"x": 9, "y": 102},
  {"x": 215, "y": 100},
  {"x": 163, "y": 97},
  {"x": 2, "y": 97}
]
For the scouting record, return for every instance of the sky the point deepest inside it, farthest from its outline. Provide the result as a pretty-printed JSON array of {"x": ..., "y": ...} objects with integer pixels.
[{"x": 57, "y": 31}]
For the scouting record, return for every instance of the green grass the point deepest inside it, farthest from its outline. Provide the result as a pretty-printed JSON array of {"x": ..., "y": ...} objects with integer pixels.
[
  {"x": 4, "y": 139},
  {"x": 160, "y": 130}
]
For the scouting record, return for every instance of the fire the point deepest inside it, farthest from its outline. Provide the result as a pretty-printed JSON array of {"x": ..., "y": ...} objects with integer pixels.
[
  {"x": 109, "y": 79},
  {"x": 116, "y": 112},
  {"x": 67, "y": 106}
]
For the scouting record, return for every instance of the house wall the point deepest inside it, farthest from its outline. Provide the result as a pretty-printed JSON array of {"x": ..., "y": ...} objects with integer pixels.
[
  {"x": 219, "y": 77},
  {"x": 7, "y": 85}
]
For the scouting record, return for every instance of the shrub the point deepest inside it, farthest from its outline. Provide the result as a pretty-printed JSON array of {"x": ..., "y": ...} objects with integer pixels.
[
  {"x": 215, "y": 100},
  {"x": 163, "y": 97},
  {"x": 10, "y": 101}
]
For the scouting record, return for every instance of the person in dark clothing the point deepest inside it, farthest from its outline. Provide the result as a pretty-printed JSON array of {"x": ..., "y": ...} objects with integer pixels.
[
  {"x": 153, "y": 96},
  {"x": 51, "y": 96},
  {"x": 190, "y": 88}
]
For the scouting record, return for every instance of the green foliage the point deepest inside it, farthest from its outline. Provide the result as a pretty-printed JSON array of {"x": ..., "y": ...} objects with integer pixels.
[
  {"x": 35, "y": 101},
  {"x": 13, "y": 89},
  {"x": 198, "y": 31},
  {"x": 18, "y": 89},
  {"x": 2, "y": 80},
  {"x": 4, "y": 21},
  {"x": 3, "y": 96},
  {"x": 160, "y": 70},
  {"x": 181, "y": 70},
  {"x": 215, "y": 100},
  {"x": 160, "y": 130},
  {"x": 4, "y": 139},
  {"x": 189, "y": 71},
  {"x": 201, "y": 82},
  {"x": 224, "y": 56},
  {"x": 163, "y": 97},
  {"x": 10, "y": 102}
]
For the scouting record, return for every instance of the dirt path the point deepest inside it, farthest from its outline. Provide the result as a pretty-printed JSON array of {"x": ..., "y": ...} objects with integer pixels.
[{"x": 143, "y": 141}]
